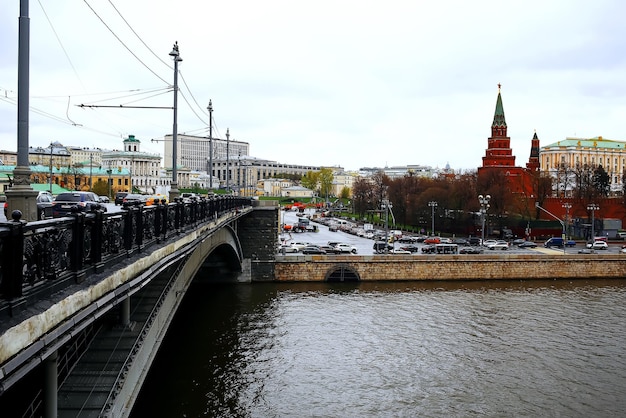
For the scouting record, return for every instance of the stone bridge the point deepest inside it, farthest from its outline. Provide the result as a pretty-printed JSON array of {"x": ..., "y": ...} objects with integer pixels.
[{"x": 91, "y": 276}]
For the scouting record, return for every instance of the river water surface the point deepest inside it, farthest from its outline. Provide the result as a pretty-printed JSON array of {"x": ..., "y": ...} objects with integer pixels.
[{"x": 394, "y": 350}]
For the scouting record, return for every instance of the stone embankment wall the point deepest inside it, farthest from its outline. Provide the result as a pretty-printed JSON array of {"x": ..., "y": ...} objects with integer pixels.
[{"x": 452, "y": 267}]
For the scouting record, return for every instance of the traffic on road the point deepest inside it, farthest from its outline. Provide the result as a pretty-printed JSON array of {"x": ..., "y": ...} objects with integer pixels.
[{"x": 331, "y": 233}]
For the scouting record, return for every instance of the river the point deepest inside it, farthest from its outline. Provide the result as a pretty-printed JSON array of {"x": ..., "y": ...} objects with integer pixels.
[{"x": 387, "y": 349}]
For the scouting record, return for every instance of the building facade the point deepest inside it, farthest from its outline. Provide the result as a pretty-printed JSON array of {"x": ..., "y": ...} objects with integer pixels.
[
  {"x": 193, "y": 152},
  {"x": 244, "y": 171},
  {"x": 561, "y": 159},
  {"x": 143, "y": 168}
]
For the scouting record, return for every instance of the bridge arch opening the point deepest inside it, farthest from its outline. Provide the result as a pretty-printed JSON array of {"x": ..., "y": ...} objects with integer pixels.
[
  {"x": 342, "y": 273},
  {"x": 221, "y": 265}
]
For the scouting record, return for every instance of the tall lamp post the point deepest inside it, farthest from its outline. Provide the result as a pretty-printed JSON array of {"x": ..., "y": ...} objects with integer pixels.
[
  {"x": 593, "y": 208},
  {"x": 210, "y": 109},
  {"x": 227, "y": 160},
  {"x": 484, "y": 207},
  {"x": 567, "y": 207},
  {"x": 432, "y": 205},
  {"x": 174, "y": 193}
]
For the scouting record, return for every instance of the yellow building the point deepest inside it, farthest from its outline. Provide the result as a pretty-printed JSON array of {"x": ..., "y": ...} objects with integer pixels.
[{"x": 571, "y": 153}]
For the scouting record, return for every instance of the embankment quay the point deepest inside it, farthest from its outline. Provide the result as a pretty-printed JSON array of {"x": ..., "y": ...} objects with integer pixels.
[{"x": 491, "y": 266}]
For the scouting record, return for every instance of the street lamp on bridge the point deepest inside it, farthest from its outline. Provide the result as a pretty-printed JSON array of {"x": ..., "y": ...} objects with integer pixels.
[{"x": 174, "y": 186}]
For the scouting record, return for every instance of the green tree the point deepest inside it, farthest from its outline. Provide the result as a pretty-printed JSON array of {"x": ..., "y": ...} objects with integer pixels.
[
  {"x": 101, "y": 188},
  {"x": 345, "y": 192},
  {"x": 310, "y": 180},
  {"x": 326, "y": 181},
  {"x": 601, "y": 181}
]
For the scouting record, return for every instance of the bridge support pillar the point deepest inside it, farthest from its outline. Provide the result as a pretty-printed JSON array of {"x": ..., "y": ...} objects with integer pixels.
[
  {"x": 50, "y": 386},
  {"x": 125, "y": 312}
]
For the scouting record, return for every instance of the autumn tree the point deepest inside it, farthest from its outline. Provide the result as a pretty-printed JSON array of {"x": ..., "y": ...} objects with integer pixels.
[
  {"x": 325, "y": 181},
  {"x": 310, "y": 180}
]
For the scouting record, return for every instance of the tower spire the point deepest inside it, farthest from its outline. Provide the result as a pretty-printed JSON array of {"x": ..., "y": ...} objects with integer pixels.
[{"x": 498, "y": 127}]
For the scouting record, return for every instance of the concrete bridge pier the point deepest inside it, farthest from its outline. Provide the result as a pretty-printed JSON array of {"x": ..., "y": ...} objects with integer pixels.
[
  {"x": 125, "y": 312},
  {"x": 50, "y": 386}
]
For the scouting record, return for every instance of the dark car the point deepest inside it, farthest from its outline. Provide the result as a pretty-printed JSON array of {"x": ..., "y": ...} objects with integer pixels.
[
  {"x": 474, "y": 241},
  {"x": 68, "y": 202},
  {"x": 119, "y": 197},
  {"x": 312, "y": 249},
  {"x": 429, "y": 249},
  {"x": 330, "y": 249},
  {"x": 379, "y": 247},
  {"x": 44, "y": 205},
  {"x": 134, "y": 198},
  {"x": 410, "y": 248}
]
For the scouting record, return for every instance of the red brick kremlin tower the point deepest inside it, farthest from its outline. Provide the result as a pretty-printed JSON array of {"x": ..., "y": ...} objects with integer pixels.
[{"x": 499, "y": 155}]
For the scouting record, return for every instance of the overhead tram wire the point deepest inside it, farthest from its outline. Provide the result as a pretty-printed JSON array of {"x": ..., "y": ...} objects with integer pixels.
[
  {"x": 124, "y": 45},
  {"x": 202, "y": 112},
  {"x": 139, "y": 37},
  {"x": 61, "y": 44}
]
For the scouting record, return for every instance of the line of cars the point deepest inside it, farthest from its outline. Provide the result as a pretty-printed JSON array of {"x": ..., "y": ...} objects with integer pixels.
[{"x": 308, "y": 248}]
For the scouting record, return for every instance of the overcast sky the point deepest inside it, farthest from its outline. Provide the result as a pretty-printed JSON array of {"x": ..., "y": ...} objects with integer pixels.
[{"x": 349, "y": 83}]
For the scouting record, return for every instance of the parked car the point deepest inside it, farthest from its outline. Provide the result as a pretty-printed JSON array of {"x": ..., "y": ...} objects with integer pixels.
[
  {"x": 518, "y": 241},
  {"x": 346, "y": 248},
  {"x": 103, "y": 199},
  {"x": 399, "y": 251},
  {"x": 498, "y": 245},
  {"x": 554, "y": 242},
  {"x": 68, "y": 202},
  {"x": 119, "y": 197},
  {"x": 285, "y": 248},
  {"x": 313, "y": 249},
  {"x": 44, "y": 205},
  {"x": 379, "y": 247},
  {"x": 474, "y": 241},
  {"x": 470, "y": 250},
  {"x": 410, "y": 248},
  {"x": 299, "y": 245},
  {"x": 432, "y": 240},
  {"x": 527, "y": 244},
  {"x": 330, "y": 249},
  {"x": 134, "y": 198},
  {"x": 429, "y": 249},
  {"x": 598, "y": 245}
]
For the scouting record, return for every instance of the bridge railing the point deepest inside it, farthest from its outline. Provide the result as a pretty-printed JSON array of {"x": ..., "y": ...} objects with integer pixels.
[{"x": 43, "y": 257}]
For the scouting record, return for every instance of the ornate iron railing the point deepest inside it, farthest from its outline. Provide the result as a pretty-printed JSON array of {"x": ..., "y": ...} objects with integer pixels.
[{"x": 56, "y": 253}]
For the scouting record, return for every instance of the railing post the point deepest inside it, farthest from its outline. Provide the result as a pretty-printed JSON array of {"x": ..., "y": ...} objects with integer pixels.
[
  {"x": 139, "y": 222},
  {"x": 12, "y": 259},
  {"x": 76, "y": 246},
  {"x": 180, "y": 206},
  {"x": 128, "y": 229},
  {"x": 96, "y": 239},
  {"x": 158, "y": 224}
]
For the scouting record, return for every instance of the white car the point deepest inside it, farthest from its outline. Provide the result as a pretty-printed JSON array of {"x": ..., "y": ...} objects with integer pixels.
[
  {"x": 286, "y": 248},
  {"x": 299, "y": 245},
  {"x": 498, "y": 245},
  {"x": 346, "y": 248},
  {"x": 598, "y": 245}
]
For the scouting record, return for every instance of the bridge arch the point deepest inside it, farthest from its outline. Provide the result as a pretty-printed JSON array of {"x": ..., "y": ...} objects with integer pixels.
[
  {"x": 217, "y": 258},
  {"x": 342, "y": 273}
]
